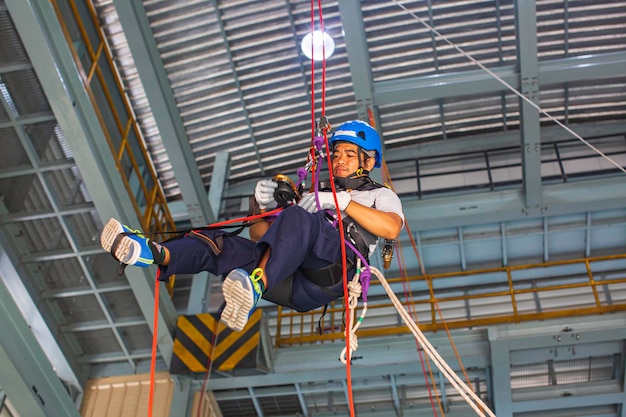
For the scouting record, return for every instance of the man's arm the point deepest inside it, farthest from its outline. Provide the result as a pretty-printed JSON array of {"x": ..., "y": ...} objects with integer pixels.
[
  {"x": 258, "y": 229},
  {"x": 384, "y": 221},
  {"x": 380, "y": 223}
]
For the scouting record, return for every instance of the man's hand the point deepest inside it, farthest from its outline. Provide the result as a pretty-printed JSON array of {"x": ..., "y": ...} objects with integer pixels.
[
  {"x": 264, "y": 193},
  {"x": 326, "y": 201}
]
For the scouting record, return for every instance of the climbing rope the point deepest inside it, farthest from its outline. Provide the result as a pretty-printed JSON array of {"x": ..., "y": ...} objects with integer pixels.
[
  {"x": 207, "y": 375},
  {"x": 434, "y": 302},
  {"x": 157, "y": 285},
  {"x": 355, "y": 289},
  {"x": 465, "y": 391}
]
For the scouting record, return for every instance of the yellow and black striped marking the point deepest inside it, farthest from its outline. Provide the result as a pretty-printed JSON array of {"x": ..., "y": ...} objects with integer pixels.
[{"x": 194, "y": 350}]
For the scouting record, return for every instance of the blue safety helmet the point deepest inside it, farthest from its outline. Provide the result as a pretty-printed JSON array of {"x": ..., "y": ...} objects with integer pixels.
[{"x": 362, "y": 135}]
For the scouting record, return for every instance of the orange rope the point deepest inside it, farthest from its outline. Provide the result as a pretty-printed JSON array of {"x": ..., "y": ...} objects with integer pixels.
[
  {"x": 156, "y": 308},
  {"x": 434, "y": 301},
  {"x": 334, "y": 191},
  {"x": 155, "y": 332},
  {"x": 209, "y": 366},
  {"x": 408, "y": 295}
]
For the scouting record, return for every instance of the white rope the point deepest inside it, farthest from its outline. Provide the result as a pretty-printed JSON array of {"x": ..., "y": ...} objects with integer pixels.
[
  {"x": 466, "y": 392},
  {"x": 354, "y": 292},
  {"x": 510, "y": 87}
]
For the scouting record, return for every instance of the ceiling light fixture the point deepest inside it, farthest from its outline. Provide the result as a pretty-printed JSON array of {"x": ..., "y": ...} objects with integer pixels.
[{"x": 314, "y": 42}]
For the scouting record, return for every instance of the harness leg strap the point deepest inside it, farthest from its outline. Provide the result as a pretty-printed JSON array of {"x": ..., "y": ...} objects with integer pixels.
[{"x": 216, "y": 244}]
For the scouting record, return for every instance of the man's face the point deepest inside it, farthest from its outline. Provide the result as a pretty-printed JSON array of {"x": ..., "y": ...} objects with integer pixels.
[{"x": 345, "y": 160}]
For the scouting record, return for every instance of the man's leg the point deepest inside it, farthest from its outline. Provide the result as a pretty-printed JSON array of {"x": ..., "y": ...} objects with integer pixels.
[
  {"x": 130, "y": 247},
  {"x": 295, "y": 239},
  {"x": 200, "y": 250},
  {"x": 214, "y": 251}
]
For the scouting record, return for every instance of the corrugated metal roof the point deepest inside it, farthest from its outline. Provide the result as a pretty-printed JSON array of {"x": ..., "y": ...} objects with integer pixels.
[{"x": 241, "y": 83}]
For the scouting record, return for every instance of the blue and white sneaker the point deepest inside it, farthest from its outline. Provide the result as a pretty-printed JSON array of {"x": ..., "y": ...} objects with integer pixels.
[
  {"x": 242, "y": 293},
  {"x": 129, "y": 246}
]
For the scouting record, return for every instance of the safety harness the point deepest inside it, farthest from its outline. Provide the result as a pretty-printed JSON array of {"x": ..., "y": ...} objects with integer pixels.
[{"x": 361, "y": 239}]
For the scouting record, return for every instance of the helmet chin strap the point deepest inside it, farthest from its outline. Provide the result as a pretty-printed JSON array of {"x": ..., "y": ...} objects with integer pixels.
[{"x": 354, "y": 180}]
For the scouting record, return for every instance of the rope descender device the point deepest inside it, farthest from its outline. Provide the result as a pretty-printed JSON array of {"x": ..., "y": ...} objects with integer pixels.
[{"x": 286, "y": 194}]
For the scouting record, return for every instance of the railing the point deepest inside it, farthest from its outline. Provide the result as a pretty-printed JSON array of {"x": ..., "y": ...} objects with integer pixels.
[
  {"x": 99, "y": 73},
  {"x": 479, "y": 171},
  {"x": 509, "y": 297}
]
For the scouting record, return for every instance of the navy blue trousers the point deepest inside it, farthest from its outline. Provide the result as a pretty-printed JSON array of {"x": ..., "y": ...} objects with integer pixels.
[{"x": 297, "y": 241}]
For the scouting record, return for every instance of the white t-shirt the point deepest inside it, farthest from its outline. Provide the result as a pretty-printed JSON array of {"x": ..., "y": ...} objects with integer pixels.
[{"x": 382, "y": 199}]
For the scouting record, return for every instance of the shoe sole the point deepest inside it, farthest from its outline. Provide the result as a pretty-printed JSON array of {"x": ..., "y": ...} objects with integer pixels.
[
  {"x": 238, "y": 304},
  {"x": 124, "y": 247}
]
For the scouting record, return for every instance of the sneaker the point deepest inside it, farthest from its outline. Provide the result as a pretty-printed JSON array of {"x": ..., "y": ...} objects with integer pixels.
[
  {"x": 128, "y": 246},
  {"x": 241, "y": 293}
]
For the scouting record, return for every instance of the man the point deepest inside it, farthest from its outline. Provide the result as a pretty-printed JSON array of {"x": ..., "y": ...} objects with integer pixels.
[{"x": 294, "y": 259}]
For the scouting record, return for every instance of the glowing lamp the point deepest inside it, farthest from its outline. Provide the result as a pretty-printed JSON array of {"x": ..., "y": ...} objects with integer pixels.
[{"x": 314, "y": 42}]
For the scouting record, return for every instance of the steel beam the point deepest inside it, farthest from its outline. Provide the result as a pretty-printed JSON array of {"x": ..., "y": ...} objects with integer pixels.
[
  {"x": 32, "y": 118},
  {"x": 501, "y": 377},
  {"x": 255, "y": 402},
  {"x": 26, "y": 375},
  {"x": 557, "y": 71},
  {"x": 531, "y": 335},
  {"x": 301, "y": 400},
  {"x": 199, "y": 293},
  {"x": 490, "y": 207},
  {"x": 380, "y": 357},
  {"x": 221, "y": 169},
  {"x": 470, "y": 144},
  {"x": 181, "y": 397},
  {"x": 38, "y": 25},
  {"x": 526, "y": 30},
  {"x": 67, "y": 369},
  {"x": 622, "y": 406},
  {"x": 572, "y": 402}
]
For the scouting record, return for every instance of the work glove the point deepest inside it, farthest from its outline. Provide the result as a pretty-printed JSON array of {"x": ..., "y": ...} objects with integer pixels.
[
  {"x": 326, "y": 201},
  {"x": 264, "y": 193}
]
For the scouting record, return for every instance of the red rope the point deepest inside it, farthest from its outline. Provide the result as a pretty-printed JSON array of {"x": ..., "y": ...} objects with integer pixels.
[
  {"x": 319, "y": 7},
  {"x": 312, "y": 70},
  {"x": 332, "y": 184},
  {"x": 155, "y": 332},
  {"x": 258, "y": 216},
  {"x": 345, "y": 283},
  {"x": 247, "y": 218}
]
